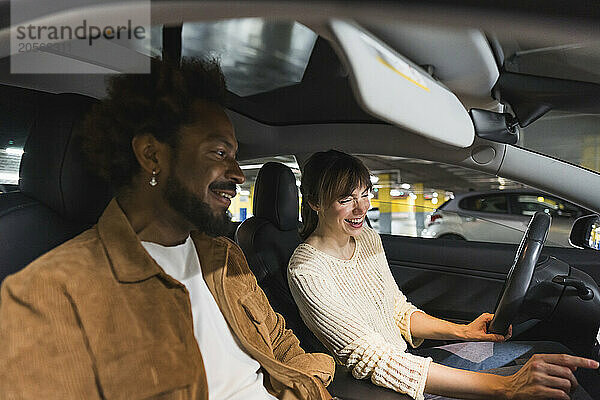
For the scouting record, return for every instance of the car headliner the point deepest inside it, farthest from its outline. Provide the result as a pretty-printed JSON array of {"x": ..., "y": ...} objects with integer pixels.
[{"x": 304, "y": 118}]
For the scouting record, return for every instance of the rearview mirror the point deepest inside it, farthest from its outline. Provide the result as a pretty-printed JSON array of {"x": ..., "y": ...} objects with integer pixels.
[
  {"x": 393, "y": 88},
  {"x": 585, "y": 233},
  {"x": 498, "y": 127}
]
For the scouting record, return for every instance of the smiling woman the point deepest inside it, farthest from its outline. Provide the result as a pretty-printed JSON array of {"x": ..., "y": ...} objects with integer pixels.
[
  {"x": 337, "y": 184},
  {"x": 346, "y": 294}
]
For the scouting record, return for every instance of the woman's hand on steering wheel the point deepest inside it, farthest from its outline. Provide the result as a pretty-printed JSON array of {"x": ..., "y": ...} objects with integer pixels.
[{"x": 477, "y": 331}]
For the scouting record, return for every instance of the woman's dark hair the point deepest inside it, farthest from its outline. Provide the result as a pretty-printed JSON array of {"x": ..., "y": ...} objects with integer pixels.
[
  {"x": 158, "y": 103},
  {"x": 329, "y": 176}
]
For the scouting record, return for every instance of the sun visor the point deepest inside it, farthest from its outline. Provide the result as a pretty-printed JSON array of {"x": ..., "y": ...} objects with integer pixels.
[{"x": 394, "y": 89}]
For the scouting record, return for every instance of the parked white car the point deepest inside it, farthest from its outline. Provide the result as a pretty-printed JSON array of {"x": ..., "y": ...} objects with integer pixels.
[
  {"x": 501, "y": 216},
  {"x": 373, "y": 214}
]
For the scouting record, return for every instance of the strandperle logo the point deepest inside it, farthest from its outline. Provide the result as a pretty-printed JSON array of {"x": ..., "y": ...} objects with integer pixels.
[
  {"x": 80, "y": 37},
  {"x": 82, "y": 32}
]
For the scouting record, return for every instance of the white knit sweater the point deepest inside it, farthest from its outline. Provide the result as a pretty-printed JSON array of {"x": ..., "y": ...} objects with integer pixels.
[{"x": 356, "y": 309}]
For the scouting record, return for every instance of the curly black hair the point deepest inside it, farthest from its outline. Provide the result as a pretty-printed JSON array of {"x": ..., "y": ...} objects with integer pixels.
[{"x": 158, "y": 103}]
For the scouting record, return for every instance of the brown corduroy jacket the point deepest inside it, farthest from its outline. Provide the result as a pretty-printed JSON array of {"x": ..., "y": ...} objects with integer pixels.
[{"x": 97, "y": 318}]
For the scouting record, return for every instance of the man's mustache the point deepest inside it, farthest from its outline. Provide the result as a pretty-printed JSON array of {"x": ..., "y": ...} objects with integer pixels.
[{"x": 222, "y": 185}]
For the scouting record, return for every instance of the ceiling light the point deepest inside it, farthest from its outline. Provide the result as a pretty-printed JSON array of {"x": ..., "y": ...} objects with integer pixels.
[
  {"x": 9, "y": 177},
  {"x": 292, "y": 165},
  {"x": 14, "y": 151},
  {"x": 251, "y": 166}
]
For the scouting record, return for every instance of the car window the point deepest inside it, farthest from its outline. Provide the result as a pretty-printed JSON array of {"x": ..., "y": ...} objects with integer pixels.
[
  {"x": 10, "y": 160},
  {"x": 486, "y": 203},
  {"x": 528, "y": 204},
  {"x": 241, "y": 204},
  {"x": 418, "y": 198},
  {"x": 15, "y": 123},
  {"x": 408, "y": 195}
]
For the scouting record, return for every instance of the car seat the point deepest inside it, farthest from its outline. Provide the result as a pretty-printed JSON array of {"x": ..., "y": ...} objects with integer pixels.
[
  {"x": 57, "y": 196},
  {"x": 268, "y": 240}
]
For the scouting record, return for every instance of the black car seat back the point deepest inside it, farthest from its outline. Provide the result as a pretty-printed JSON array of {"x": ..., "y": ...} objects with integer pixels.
[
  {"x": 58, "y": 196},
  {"x": 268, "y": 240}
]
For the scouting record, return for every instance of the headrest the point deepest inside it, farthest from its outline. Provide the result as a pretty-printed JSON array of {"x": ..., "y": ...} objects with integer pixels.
[
  {"x": 53, "y": 169},
  {"x": 276, "y": 196}
]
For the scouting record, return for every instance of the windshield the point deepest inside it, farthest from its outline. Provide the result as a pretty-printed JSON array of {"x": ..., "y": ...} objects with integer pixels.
[
  {"x": 570, "y": 137},
  {"x": 571, "y": 130}
]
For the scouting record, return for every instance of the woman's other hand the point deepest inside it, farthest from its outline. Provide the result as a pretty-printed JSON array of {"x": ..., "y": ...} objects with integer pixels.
[
  {"x": 477, "y": 331},
  {"x": 546, "y": 376}
]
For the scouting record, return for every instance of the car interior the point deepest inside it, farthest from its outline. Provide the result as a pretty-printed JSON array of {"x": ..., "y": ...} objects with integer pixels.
[{"x": 57, "y": 196}]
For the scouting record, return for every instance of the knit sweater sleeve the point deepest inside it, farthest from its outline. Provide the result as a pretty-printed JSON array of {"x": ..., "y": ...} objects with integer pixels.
[
  {"x": 403, "y": 309},
  {"x": 357, "y": 346},
  {"x": 402, "y": 313}
]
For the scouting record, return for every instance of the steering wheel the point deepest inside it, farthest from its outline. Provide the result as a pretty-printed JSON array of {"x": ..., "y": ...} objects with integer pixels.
[{"x": 520, "y": 274}]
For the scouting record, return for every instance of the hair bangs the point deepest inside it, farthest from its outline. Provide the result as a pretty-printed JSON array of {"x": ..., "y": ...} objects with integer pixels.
[
  {"x": 341, "y": 179},
  {"x": 329, "y": 176}
]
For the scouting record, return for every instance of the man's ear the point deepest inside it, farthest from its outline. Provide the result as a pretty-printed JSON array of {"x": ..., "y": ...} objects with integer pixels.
[{"x": 151, "y": 154}]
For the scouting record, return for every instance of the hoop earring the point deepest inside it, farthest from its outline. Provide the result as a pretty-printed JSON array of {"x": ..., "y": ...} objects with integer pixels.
[{"x": 153, "y": 182}]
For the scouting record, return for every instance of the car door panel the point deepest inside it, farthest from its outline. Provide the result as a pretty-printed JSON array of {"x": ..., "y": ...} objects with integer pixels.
[
  {"x": 459, "y": 280},
  {"x": 444, "y": 278}
]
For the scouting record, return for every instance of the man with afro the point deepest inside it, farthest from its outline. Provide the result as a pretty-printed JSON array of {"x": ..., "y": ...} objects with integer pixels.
[{"x": 152, "y": 302}]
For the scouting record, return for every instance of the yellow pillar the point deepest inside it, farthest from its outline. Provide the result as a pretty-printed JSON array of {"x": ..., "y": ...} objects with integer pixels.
[
  {"x": 385, "y": 204},
  {"x": 417, "y": 189},
  {"x": 251, "y": 199}
]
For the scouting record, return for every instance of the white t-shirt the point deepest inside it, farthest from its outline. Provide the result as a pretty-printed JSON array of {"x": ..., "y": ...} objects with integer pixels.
[{"x": 231, "y": 373}]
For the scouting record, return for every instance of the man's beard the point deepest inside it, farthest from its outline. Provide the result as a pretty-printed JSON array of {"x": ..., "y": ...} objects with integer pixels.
[{"x": 195, "y": 210}]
